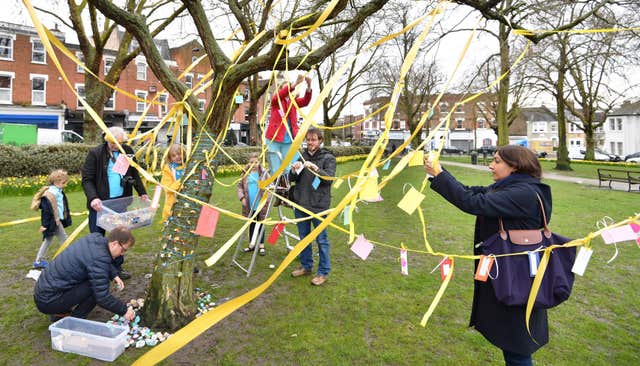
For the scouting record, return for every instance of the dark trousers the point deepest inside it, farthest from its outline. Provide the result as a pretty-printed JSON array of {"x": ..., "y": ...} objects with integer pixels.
[
  {"x": 252, "y": 227},
  {"x": 516, "y": 359},
  {"x": 80, "y": 296},
  {"x": 93, "y": 225}
]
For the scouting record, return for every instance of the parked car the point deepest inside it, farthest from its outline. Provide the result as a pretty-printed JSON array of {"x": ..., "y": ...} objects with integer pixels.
[
  {"x": 598, "y": 155},
  {"x": 488, "y": 150},
  {"x": 541, "y": 154},
  {"x": 633, "y": 156},
  {"x": 452, "y": 150}
]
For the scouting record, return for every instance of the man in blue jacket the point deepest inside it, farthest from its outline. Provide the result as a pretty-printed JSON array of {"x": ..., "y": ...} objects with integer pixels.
[{"x": 79, "y": 278}]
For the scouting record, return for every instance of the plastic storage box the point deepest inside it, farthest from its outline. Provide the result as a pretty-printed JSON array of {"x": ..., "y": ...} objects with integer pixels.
[
  {"x": 132, "y": 212},
  {"x": 88, "y": 338}
]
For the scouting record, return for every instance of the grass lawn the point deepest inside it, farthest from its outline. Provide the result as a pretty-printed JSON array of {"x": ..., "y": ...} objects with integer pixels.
[{"x": 367, "y": 313}]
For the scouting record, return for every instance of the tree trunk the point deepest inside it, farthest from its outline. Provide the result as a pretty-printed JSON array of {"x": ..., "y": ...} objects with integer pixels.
[
  {"x": 590, "y": 143},
  {"x": 93, "y": 96},
  {"x": 254, "y": 132},
  {"x": 562, "y": 161},
  {"x": 328, "y": 133},
  {"x": 503, "y": 87},
  {"x": 170, "y": 302}
]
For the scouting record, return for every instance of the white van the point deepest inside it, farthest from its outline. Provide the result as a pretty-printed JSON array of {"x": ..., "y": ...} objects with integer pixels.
[{"x": 47, "y": 136}]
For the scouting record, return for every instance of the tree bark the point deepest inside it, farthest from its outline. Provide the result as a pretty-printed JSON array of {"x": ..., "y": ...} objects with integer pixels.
[{"x": 170, "y": 302}]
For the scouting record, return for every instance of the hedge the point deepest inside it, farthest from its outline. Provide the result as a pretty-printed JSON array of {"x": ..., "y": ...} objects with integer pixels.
[{"x": 36, "y": 160}]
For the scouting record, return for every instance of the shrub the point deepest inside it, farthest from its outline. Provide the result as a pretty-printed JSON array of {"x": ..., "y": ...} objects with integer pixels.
[{"x": 34, "y": 160}]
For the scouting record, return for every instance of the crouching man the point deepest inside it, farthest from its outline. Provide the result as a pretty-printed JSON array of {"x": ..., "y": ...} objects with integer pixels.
[{"x": 78, "y": 279}]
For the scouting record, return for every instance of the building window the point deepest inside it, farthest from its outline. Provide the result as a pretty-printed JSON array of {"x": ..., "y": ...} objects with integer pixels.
[
  {"x": 82, "y": 94},
  {"x": 613, "y": 147},
  {"x": 612, "y": 124},
  {"x": 6, "y": 47},
  {"x": 201, "y": 105},
  {"x": 80, "y": 57},
  {"x": 108, "y": 63},
  {"x": 141, "y": 69},
  {"x": 619, "y": 123},
  {"x": 573, "y": 127},
  {"x": 141, "y": 104},
  {"x": 200, "y": 76},
  {"x": 38, "y": 54},
  {"x": 481, "y": 122},
  {"x": 575, "y": 142},
  {"x": 459, "y": 109},
  {"x": 444, "y": 107},
  {"x": 39, "y": 89},
  {"x": 539, "y": 127},
  {"x": 110, "y": 104},
  {"x": 188, "y": 80},
  {"x": 163, "y": 99},
  {"x": 6, "y": 84},
  {"x": 619, "y": 148},
  {"x": 459, "y": 123},
  {"x": 554, "y": 126},
  {"x": 194, "y": 59}
]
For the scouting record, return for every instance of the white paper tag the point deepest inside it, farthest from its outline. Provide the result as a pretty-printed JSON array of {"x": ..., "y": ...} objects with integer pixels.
[
  {"x": 404, "y": 264},
  {"x": 582, "y": 259},
  {"x": 534, "y": 260},
  {"x": 156, "y": 197},
  {"x": 299, "y": 169}
]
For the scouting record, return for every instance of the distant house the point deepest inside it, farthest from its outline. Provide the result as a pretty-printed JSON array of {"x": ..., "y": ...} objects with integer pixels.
[
  {"x": 622, "y": 129},
  {"x": 542, "y": 128}
]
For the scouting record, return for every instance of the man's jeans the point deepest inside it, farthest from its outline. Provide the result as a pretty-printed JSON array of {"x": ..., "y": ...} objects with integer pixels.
[
  {"x": 81, "y": 295},
  {"x": 306, "y": 256},
  {"x": 516, "y": 359}
]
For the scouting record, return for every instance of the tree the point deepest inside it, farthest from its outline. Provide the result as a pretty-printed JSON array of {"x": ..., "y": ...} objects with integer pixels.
[
  {"x": 422, "y": 81},
  {"x": 93, "y": 33},
  {"x": 169, "y": 307}
]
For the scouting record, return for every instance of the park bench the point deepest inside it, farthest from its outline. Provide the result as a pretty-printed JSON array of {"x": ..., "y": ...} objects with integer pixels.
[{"x": 614, "y": 175}]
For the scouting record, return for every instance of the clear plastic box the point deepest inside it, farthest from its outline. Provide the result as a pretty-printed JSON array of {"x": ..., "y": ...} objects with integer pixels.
[
  {"x": 132, "y": 212},
  {"x": 89, "y": 338}
]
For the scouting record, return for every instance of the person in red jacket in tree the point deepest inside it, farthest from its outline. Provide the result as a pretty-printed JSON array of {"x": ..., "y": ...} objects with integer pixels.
[{"x": 283, "y": 121}]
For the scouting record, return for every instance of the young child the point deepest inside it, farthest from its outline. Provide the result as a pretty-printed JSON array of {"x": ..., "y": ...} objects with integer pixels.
[
  {"x": 172, "y": 171},
  {"x": 54, "y": 216},
  {"x": 249, "y": 195}
]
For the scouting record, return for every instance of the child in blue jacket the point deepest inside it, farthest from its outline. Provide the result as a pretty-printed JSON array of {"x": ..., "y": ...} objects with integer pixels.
[{"x": 55, "y": 216}]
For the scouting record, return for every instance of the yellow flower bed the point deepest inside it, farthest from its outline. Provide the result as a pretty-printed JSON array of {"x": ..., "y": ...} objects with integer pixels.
[{"x": 29, "y": 185}]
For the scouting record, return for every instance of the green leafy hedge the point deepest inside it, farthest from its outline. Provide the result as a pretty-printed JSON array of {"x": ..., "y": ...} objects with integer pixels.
[{"x": 36, "y": 160}]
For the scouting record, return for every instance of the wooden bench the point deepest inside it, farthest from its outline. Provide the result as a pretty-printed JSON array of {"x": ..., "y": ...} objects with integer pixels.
[{"x": 614, "y": 175}]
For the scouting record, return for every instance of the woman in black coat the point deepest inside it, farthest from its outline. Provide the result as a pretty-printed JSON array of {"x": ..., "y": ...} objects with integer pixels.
[{"x": 516, "y": 172}]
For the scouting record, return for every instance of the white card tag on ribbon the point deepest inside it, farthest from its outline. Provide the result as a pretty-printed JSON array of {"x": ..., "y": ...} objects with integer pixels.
[
  {"x": 582, "y": 259},
  {"x": 534, "y": 261},
  {"x": 404, "y": 264},
  {"x": 121, "y": 165},
  {"x": 156, "y": 197},
  {"x": 346, "y": 215}
]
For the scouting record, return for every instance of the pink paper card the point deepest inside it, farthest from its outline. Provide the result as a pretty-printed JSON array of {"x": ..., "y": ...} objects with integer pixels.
[
  {"x": 156, "y": 197},
  {"x": 207, "y": 222},
  {"x": 635, "y": 227},
  {"x": 618, "y": 234},
  {"x": 362, "y": 247},
  {"x": 121, "y": 165}
]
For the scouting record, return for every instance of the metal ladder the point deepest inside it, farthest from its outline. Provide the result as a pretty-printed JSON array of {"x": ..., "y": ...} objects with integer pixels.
[{"x": 279, "y": 184}]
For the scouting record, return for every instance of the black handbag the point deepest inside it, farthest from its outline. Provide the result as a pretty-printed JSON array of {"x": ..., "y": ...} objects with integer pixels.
[{"x": 513, "y": 280}]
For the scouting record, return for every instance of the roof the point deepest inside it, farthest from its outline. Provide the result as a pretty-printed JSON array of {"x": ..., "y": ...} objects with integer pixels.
[
  {"x": 627, "y": 108},
  {"x": 538, "y": 114}
]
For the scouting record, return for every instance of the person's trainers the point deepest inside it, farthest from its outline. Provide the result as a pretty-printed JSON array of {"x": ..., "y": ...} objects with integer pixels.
[
  {"x": 41, "y": 264},
  {"x": 300, "y": 272},
  {"x": 318, "y": 280}
]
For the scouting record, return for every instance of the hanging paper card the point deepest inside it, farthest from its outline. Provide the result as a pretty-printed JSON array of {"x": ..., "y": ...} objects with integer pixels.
[
  {"x": 484, "y": 268},
  {"x": 203, "y": 174},
  {"x": 156, "y": 197},
  {"x": 445, "y": 267},
  {"x": 417, "y": 158},
  {"x": 618, "y": 234},
  {"x": 635, "y": 227},
  {"x": 386, "y": 165},
  {"x": 207, "y": 222},
  {"x": 275, "y": 233},
  {"x": 239, "y": 99},
  {"x": 374, "y": 173},
  {"x": 315, "y": 183},
  {"x": 411, "y": 201},
  {"x": 534, "y": 261},
  {"x": 346, "y": 218},
  {"x": 121, "y": 165},
  {"x": 582, "y": 259},
  {"x": 404, "y": 263},
  {"x": 338, "y": 183},
  {"x": 299, "y": 169},
  {"x": 362, "y": 247},
  {"x": 370, "y": 189}
]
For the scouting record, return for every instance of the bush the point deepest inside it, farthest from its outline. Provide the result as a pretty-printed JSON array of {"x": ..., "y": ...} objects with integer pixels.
[{"x": 34, "y": 160}]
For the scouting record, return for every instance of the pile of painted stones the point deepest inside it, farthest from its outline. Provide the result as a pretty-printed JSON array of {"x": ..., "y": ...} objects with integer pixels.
[
  {"x": 205, "y": 302},
  {"x": 138, "y": 336}
]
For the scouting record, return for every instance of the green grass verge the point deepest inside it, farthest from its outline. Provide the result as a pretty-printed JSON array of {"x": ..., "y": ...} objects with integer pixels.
[{"x": 367, "y": 313}]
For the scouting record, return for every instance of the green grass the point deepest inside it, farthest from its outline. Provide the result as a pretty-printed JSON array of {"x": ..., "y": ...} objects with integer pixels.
[{"x": 367, "y": 313}]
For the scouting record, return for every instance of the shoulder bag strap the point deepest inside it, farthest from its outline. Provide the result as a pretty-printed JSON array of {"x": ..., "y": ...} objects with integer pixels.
[{"x": 546, "y": 231}]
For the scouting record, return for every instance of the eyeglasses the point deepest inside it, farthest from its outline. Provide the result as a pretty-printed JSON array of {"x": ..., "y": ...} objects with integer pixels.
[{"x": 124, "y": 249}]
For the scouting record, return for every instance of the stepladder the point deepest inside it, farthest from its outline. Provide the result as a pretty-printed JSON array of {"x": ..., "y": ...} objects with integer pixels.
[{"x": 251, "y": 240}]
